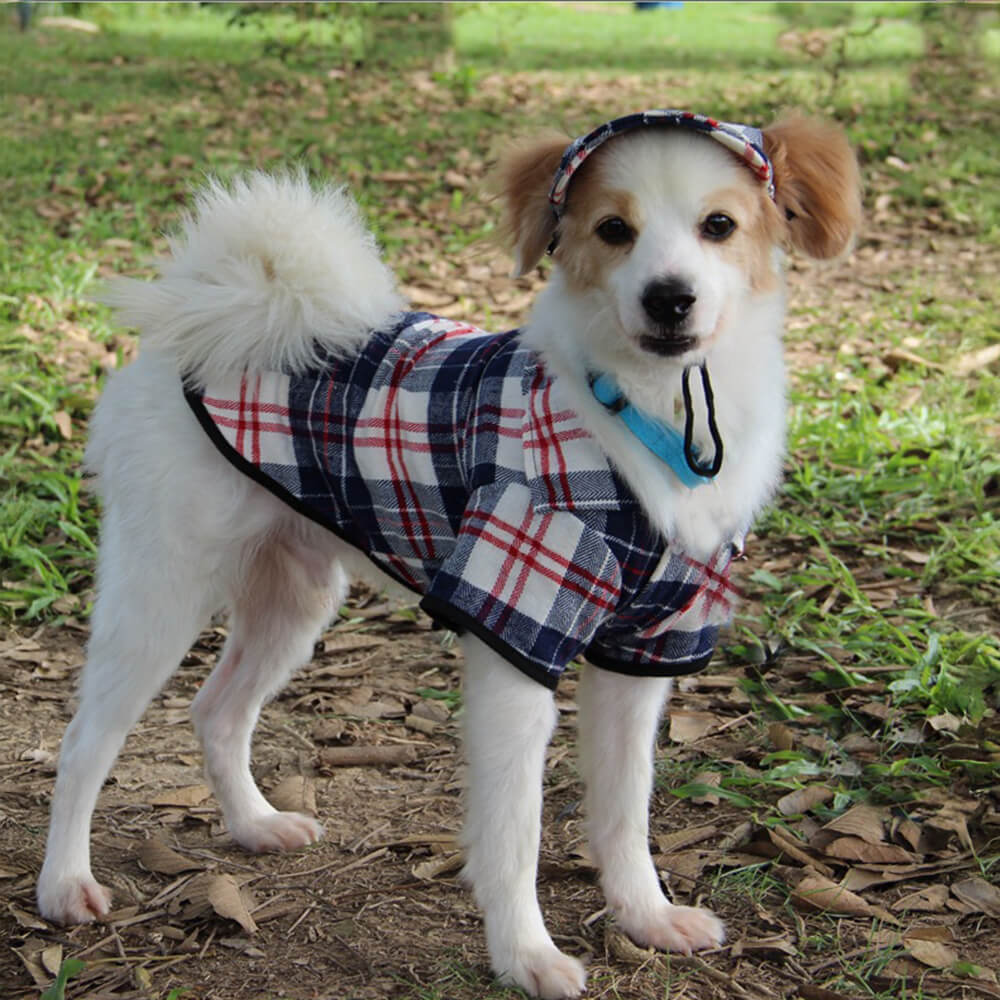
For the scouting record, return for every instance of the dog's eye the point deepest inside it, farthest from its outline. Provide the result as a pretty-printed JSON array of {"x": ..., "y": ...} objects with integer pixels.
[
  {"x": 717, "y": 226},
  {"x": 615, "y": 231}
]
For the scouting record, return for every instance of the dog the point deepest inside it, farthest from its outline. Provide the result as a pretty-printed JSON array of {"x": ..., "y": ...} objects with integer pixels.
[{"x": 572, "y": 489}]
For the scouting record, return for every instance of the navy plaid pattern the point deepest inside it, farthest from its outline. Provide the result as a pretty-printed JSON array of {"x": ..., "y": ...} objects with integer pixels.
[
  {"x": 450, "y": 458},
  {"x": 746, "y": 141}
]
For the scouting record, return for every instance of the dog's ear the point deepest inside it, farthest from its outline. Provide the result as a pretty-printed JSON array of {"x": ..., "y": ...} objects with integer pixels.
[
  {"x": 817, "y": 184},
  {"x": 522, "y": 180}
]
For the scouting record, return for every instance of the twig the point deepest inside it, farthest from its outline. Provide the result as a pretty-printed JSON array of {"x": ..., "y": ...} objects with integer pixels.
[
  {"x": 346, "y": 868},
  {"x": 362, "y": 756}
]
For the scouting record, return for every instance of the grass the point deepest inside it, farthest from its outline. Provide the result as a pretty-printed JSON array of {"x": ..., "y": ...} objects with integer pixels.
[{"x": 881, "y": 559}]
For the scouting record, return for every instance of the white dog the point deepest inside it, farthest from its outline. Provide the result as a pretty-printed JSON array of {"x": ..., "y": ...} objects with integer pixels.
[{"x": 551, "y": 493}]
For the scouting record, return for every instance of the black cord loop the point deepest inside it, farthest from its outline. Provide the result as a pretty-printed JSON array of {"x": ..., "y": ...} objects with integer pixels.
[{"x": 707, "y": 469}]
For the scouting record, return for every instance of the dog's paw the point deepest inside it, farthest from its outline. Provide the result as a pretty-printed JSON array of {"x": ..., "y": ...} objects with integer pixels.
[
  {"x": 73, "y": 900},
  {"x": 277, "y": 831},
  {"x": 673, "y": 928},
  {"x": 546, "y": 972}
]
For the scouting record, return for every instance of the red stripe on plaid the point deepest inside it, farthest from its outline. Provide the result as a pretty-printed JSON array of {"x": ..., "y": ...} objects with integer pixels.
[
  {"x": 243, "y": 422},
  {"x": 510, "y": 602},
  {"x": 511, "y": 538},
  {"x": 242, "y": 405},
  {"x": 247, "y": 422},
  {"x": 213, "y": 403},
  {"x": 549, "y": 438},
  {"x": 395, "y": 452},
  {"x": 716, "y": 589}
]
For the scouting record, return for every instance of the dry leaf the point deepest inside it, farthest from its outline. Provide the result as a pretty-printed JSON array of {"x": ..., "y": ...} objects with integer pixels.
[
  {"x": 191, "y": 795},
  {"x": 381, "y": 708},
  {"x": 52, "y": 958},
  {"x": 905, "y": 829},
  {"x": 944, "y": 825},
  {"x": 808, "y": 992},
  {"x": 929, "y": 932},
  {"x": 804, "y": 799},
  {"x": 26, "y": 919},
  {"x": 434, "y": 711},
  {"x": 683, "y": 869},
  {"x": 689, "y": 727},
  {"x": 346, "y": 642},
  {"x": 859, "y": 821},
  {"x": 155, "y": 856},
  {"x": 895, "y": 358},
  {"x": 856, "y": 849},
  {"x": 222, "y": 894},
  {"x": 983, "y": 358},
  {"x": 933, "y": 953},
  {"x": 769, "y": 947},
  {"x": 427, "y": 298},
  {"x": 329, "y": 731},
  {"x": 295, "y": 793},
  {"x": 30, "y": 954},
  {"x": 788, "y": 845},
  {"x": 711, "y": 779},
  {"x": 980, "y": 894},
  {"x": 227, "y": 900},
  {"x": 64, "y": 422},
  {"x": 781, "y": 736},
  {"x": 927, "y": 900},
  {"x": 945, "y": 722},
  {"x": 669, "y": 842},
  {"x": 820, "y": 893}
]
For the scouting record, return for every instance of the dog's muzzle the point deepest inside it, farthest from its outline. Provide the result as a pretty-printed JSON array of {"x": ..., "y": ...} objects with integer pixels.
[{"x": 668, "y": 304}]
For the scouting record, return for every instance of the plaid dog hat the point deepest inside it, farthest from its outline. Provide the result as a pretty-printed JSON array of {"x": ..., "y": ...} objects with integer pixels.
[{"x": 745, "y": 141}]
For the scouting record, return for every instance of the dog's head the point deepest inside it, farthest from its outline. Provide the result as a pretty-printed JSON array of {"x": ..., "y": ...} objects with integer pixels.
[{"x": 669, "y": 234}]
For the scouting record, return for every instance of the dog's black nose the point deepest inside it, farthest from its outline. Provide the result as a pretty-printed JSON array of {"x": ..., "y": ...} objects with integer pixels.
[{"x": 668, "y": 302}]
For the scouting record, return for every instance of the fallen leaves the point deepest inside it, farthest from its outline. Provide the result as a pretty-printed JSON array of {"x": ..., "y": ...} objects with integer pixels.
[
  {"x": 155, "y": 856},
  {"x": 189, "y": 795},
  {"x": 815, "y": 891},
  {"x": 979, "y": 895},
  {"x": 802, "y": 800},
  {"x": 219, "y": 893}
]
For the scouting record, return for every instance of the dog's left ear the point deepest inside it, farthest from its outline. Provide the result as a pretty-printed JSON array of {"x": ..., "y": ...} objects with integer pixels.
[
  {"x": 817, "y": 184},
  {"x": 522, "y": 179}
]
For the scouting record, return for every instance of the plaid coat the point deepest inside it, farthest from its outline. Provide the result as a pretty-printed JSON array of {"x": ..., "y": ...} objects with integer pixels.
[{"x": 452, "y": 460}]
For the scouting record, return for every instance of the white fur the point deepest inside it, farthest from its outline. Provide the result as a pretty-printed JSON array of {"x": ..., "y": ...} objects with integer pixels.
[
  {"x": 266, "y": 255},
  {"x": 260, "y": 274}
]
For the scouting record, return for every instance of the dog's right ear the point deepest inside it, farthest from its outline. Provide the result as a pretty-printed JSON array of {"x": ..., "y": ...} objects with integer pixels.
[{"x": 522, "y": 179}]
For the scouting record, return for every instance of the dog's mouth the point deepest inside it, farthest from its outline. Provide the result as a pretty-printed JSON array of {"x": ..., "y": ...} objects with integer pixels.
[{"x": 667, "y": 347}]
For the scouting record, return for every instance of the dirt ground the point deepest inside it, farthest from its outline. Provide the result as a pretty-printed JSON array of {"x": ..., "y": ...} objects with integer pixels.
[{"x": 376, "y": 909}]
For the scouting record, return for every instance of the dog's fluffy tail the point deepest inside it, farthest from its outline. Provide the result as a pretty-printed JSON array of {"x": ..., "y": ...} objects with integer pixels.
[{"x": 264, "y": 274}]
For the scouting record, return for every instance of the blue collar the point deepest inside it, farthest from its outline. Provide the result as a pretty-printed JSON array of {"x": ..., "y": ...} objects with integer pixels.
[{"x": 666, "y": 442}]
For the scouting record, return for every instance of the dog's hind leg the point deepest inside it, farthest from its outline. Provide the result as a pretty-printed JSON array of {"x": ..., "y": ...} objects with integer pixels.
[
  {"x": 618, "y": 719},
  {"x": 149, "y": 608},
  {"x": 509, "y": 720},
  {"x": 289, "y": 588}
]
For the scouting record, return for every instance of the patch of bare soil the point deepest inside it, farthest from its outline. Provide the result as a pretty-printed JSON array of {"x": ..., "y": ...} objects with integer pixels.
[{"x": 367, "y": 737}]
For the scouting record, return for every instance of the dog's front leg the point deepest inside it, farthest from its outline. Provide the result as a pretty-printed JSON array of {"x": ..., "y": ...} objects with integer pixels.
[
  {"x": 618, "y": 719},
  {"x": 509, "y": 720}
]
